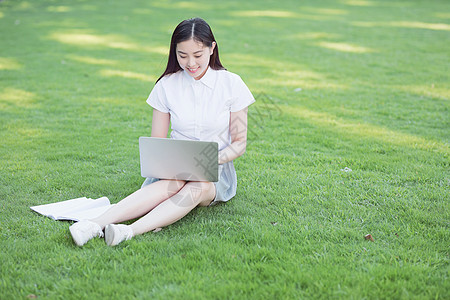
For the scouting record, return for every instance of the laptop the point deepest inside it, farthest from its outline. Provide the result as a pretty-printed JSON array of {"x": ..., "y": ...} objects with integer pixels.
[{"x": 166, "y": 158}]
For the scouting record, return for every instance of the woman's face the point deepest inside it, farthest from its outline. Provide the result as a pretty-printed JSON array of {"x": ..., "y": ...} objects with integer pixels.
[{"x": 193, "y": 57}]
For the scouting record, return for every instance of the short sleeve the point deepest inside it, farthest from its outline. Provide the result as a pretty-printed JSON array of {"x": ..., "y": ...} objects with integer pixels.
[
  {"x": 157, "y": 98},
  {"x": 242, "y": 97}
]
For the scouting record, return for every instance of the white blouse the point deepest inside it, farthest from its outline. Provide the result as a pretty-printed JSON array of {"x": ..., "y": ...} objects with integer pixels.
[{"x": 200, "y": 109}]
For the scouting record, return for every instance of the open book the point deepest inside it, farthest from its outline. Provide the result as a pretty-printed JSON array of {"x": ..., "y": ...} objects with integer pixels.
[{"x": 74, "y": 209}]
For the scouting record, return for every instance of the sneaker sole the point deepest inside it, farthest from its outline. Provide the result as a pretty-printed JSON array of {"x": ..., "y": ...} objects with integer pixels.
[{"x": 110, "y": 233}]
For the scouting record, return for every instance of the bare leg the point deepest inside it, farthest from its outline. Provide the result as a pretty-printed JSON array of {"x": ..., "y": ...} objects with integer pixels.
[
  {"x": 140, "y": 202},
  {"x": 176, "y": 207}
]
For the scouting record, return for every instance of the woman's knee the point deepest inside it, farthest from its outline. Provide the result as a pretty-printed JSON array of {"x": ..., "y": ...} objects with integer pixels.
[
  {"x": 204, "y": 192},
  {"x": 172, "y": 186},
  {"x": 202, "y": 186},
  {"x": 175, "y": 184}
]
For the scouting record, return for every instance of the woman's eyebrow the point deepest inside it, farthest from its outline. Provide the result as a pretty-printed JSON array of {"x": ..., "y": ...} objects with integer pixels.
[{"x": 181, "y": 52}]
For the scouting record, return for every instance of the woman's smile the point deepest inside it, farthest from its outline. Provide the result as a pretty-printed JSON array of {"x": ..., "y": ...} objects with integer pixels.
[{"x": 192, "y": 70}]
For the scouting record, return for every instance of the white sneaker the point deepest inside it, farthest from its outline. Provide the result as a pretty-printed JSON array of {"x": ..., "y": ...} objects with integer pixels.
[
  {"x": 115, "y": 234},
  {"x": 85, "y": 230}
]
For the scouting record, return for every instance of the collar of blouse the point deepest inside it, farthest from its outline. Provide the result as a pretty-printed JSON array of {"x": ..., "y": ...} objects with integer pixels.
[{"x": 208, "y": 79}]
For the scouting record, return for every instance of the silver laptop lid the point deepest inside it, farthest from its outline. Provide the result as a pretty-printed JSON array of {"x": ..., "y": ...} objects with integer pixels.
[{"x": 179, "y": 159}]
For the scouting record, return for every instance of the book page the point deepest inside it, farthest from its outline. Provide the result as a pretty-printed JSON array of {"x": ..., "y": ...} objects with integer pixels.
[
  {"x": 52, "y": 210},
  {"x": 74, "y": 209},
  {"x": 85, "y": 214},
  {"x": 91, "y": 204}
]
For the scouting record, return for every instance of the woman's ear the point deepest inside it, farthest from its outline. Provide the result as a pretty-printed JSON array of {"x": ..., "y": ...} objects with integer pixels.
[{"x": 213, "y": 45}]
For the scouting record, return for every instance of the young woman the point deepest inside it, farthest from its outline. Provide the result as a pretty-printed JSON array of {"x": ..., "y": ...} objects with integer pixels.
[{"x": 201, "y": 100}]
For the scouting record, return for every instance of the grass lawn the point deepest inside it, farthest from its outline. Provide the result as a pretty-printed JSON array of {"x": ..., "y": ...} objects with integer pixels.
[{"x": 349, "y": 136}]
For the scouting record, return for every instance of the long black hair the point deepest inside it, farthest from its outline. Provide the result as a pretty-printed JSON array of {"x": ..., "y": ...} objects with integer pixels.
[{"x": 199, "y": 30}]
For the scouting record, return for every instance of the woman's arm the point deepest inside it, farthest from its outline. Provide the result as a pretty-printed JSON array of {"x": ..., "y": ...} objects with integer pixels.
[
  {"x": 238, "y": 132},
  {"x": 160, "y": 124}
]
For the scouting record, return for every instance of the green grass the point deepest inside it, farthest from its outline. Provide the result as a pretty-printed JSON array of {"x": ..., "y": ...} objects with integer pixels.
[{"x": 374, "y": 80}]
